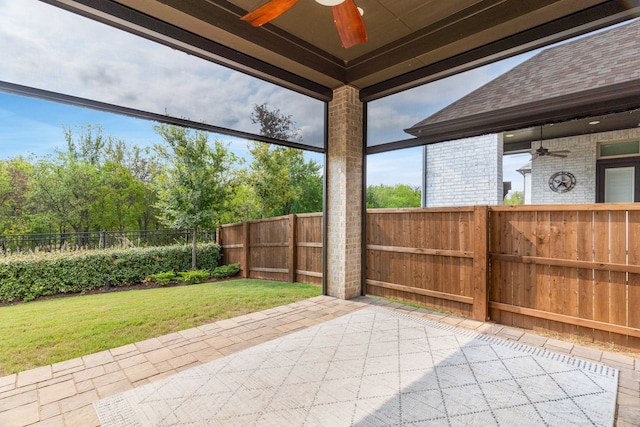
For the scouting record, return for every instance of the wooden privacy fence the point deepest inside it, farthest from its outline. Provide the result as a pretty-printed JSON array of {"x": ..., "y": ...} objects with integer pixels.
[
  {"x": 436, "y": 257},
  {"x": 572, "y": 269},
  {"x": 286, "y": 248}
]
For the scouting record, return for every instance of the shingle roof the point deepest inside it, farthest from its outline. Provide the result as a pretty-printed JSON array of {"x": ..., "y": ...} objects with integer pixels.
[{"x": 595, "y": 61}]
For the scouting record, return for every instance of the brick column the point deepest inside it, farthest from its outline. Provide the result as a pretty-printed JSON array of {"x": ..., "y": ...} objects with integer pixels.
[{"x": 344, "y": 194}]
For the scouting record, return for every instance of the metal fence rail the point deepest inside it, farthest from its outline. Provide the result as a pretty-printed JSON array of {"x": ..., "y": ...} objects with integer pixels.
[{"x": 49, "y": 242}]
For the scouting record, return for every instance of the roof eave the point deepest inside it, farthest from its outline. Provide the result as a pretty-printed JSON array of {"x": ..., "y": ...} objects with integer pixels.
[{"x": 604, "y": 100}]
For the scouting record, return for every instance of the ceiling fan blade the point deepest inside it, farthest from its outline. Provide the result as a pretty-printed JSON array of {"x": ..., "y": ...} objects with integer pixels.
[
  {"x": 349, "y": 23},
  {"x": 268, "y": 12},
  {"x": 555, "y": 154},
  {"x": 561, "y": 151}
]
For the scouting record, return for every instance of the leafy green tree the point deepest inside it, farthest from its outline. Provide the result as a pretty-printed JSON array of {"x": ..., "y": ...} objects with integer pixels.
[
  {"x": 64, "y": 189},
  {"x": 514, "y": 198},
  {"x": 94, "y": 182},
  {"x": 88, "y": 146},
  {"x": 144, "y": 168},
  {"x": 198, "y": 179},
  {"x": 281, "y": 179},
  {"x": 14, "y": 186},
  {"x": 308, "y": 179},
  {"x": 242, "y": 205},
  {"x": 120, "y": 199},
  {"x": 398, "y": 196}
]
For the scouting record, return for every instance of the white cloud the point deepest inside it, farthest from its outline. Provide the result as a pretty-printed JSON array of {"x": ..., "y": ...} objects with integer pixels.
[{"x": 98, "y": 62}]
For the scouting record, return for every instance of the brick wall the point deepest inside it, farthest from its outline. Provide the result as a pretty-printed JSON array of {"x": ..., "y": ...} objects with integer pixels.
[
  {"x": 581, "y": 162},
  {"x": 464, "y": 172}
]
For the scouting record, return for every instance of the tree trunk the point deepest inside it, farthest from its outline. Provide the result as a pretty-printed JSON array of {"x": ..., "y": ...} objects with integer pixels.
[{"x": 193, "y": 248}]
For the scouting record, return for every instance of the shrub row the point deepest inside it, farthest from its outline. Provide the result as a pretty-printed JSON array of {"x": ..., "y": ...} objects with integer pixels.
[{"x": 31, "y": 276}]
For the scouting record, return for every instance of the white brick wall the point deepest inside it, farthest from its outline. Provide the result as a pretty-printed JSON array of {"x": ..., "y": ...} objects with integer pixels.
[
  {"x": 469, "y": 171},
  {"x": 464, "y": 172},
  {"x": 581, "y": 162}
]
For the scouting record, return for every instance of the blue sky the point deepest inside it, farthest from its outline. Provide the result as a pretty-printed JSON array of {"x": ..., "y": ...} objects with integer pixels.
[{"x": 31, "y": 126}]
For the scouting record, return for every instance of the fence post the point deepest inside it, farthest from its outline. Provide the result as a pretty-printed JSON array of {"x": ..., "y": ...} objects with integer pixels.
[
  {"x": 246, "y": 249},
  {"x": 480, "y": 263},
  {"x": 292, "y": 248}
]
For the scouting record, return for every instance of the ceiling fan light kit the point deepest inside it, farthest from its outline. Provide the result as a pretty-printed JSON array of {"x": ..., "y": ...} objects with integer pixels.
[
  {"x": 329, "y": 2},
  {"x": 346, "y": 16}
]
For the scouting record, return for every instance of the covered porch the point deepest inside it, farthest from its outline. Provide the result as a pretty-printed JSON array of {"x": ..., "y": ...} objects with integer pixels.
[{"x": 401, "y": 54}]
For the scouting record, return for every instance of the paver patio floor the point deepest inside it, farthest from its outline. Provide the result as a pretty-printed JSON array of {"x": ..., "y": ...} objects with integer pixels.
[{"x": 63, "y": 394}]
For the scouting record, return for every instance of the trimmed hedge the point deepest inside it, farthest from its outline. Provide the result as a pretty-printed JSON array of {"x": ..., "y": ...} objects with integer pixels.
[{"x": 31, "y": 276}]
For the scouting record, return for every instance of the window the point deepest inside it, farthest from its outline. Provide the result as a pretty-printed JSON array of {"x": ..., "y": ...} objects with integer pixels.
[{"x": 618, "y": 149}]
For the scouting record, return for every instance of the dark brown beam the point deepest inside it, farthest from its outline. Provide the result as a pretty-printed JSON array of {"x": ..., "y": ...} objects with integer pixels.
[
  {"x": 466, "y": 23},
  {"x": 215, "y": 52},
  {"x": 591, "y": 19},
  {"x": 226, "y": 16},
  {"x": 15, "y": 89}
]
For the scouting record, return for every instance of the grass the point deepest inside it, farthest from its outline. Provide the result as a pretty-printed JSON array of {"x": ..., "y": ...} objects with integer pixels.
[{"x": 44, "y": 332}]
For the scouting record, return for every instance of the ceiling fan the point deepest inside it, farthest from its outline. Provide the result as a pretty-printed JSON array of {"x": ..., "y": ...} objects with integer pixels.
[
  {"x": 346, "y": 16},
  {"x": 541, "y": 151}
]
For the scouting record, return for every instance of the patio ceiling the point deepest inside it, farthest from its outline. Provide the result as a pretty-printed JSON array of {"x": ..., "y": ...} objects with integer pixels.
[{"x": 410, "y": 42}]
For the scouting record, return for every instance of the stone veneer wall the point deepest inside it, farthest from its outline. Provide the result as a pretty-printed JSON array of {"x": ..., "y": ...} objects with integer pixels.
[
  {"x": 464, "y": 172},
  {"x": 581, "y": 162},
  {"x": 344, "y": 194}
]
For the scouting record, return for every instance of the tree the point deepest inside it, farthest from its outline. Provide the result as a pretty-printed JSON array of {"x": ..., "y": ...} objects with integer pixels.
[
  {"x": 398, "y": 196},
  {"x": 281, "y": 179},
  {"x": 274, "y": 124},
  {"x": 198, "y": 178},
  {"x": 120, "y": 199},
  {"x": 514, "y": 198},
  {"x": 242, "y": 205},
  {"x": 14, "y": 186},
  {"x": 93, "y": 183},
  {"x": 64, "y": 189},
  {"x": 144, "y": 168},
  {"x": 88, "y": 146}
]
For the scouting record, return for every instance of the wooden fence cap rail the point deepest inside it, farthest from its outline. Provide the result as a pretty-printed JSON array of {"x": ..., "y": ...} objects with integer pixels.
[{"x": 568, "y": 208}]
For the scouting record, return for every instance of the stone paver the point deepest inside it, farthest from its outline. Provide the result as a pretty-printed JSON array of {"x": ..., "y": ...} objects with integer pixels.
[
  {"x": 63, "y": 394},
  {"x": 34, "y": 376}
]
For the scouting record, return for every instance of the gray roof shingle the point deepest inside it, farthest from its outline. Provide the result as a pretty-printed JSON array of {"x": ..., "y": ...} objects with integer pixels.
[{"x": 598, "y": 60}]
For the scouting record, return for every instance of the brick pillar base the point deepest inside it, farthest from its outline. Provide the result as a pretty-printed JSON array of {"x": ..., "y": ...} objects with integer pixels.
[{"x": 344, "y": 194}]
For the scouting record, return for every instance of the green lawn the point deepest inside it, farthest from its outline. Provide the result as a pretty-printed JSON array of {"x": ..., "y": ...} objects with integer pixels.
[{"x": 44, "y": 332}]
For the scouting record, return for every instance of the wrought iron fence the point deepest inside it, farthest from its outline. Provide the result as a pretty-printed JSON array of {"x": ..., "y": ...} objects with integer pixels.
[{"x": 49, "y": 242}]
